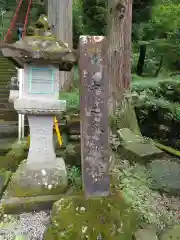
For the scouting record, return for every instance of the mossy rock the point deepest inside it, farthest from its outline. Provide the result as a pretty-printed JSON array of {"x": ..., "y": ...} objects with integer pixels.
[
  {"x": 14, "y": 157},
  {"x": 165, "y": 175},
  {"x": 172, "y": 233},
  {"x": 103, "y": 218}
]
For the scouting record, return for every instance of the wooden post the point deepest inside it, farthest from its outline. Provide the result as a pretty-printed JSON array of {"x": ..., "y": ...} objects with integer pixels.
[
  {"x": 60, "y": 18},
  {"x": 94, "y": 118}
]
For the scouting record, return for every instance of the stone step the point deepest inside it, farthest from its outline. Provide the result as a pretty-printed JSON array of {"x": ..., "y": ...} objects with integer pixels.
[
  {"x": 3, "y": 105},
  {"x": 8, "y": 117},
  {"x": 4, "y": 95},
  {"x": 4, "y": 100},
  {"x": 4, "y": 89},
  {"x": 7, "y": 109}
]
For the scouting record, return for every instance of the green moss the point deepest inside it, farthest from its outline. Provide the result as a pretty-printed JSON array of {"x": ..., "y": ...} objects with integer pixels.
[
  {"x": 172, "y": 233},
  {"x": 80, "y": 218},
  {"x": 14, "y": 157}
]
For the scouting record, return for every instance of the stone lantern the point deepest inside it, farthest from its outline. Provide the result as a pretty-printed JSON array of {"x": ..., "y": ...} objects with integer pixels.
[{"x": 42, "y": 57}]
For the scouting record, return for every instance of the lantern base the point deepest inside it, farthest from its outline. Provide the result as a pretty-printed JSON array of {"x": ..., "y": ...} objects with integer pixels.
[
  {"x": 16, "y": 205},
  {"x": 37, "y": 181}
]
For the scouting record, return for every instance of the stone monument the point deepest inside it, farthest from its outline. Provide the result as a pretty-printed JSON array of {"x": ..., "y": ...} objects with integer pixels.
[{"x": 42, "y": 175}]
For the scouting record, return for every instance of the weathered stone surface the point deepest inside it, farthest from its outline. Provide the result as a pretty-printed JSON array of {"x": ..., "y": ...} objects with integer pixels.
[
  {"x": 37, "y": 179},
  {"x": 146, "y": 234},
  {"x": 39, "y": 106},
  {"x": 140, "y": 151},
  {"x": 13, "y": 205},
  {"x": 165, "y": 176},
  {"x": 171, "y": 234},
  {"x": 127, "y": 136},
  {"x": 94, "y": 117},
  {"x": 77, "y": 218},
  {"x": 135, "y": 148},
  {"x": 41, "y": 46}
]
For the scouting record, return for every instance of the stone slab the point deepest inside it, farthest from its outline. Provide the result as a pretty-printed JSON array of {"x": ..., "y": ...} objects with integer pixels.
[
  {"x": 140, "y": 151},
  {"x": 14, "y": 205},
  {"x": 136, "y": 148},
  {"x": 127, "y": 136},
  {"x": 146, "y": 234},
  {"x": 165, "y": 175}
]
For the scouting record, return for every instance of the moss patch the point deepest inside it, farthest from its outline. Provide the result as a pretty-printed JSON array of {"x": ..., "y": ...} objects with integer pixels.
[
  {"x": 78, "y": 218},
  {"x": 14, "y": 157},
  {"x": 15, "y": 205},
  {"x": 172, "y": 233}
]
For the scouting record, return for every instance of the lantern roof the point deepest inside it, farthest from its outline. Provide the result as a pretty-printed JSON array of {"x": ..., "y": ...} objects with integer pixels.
[{"x": 40, "y": 47}]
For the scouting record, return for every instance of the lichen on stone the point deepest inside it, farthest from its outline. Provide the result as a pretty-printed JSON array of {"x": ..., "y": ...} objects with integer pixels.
[{"x": 42, "y": 45}]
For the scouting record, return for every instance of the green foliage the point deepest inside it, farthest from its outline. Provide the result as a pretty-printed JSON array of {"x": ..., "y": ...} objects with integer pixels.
[
  {"x": 74, "y": 177},
  {"x": 78, "y": 26},
  {"x": 72, "y": 99},
  {"x": 158, "y": 95},
  {"x": 134, "y": 183}
]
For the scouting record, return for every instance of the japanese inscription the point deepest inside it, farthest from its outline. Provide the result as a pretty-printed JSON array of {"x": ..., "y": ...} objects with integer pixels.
[{"x": 94, "y": 117}]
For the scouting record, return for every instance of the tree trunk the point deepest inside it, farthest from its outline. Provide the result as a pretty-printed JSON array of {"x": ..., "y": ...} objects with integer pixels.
[
  {"x": 115, "y": 55},
  {"x": 60, "y": 18},
  {"x": 118, "y": 63},
  {"x": 141, "y": 60},
  {"x": 159, "y": 67},
  {"x": 127, "y": 115}
]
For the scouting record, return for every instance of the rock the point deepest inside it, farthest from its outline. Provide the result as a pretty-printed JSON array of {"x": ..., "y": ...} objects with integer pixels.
[
  {"x": 146, "y": 234},
  {"x": 135, "y": 148},
  {"x": 76, "y": 217},
  {"x": 127, "y": 136},
  {"x": 14, "y": 157},
  {"x": 140, "y": 152},
  {"x": 172, "y": 233},
  {"x": 165, "y": 176}
]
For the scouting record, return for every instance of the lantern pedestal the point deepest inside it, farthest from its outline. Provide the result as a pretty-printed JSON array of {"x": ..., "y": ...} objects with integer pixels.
[
  {"x": 40, "y": 178},
  {"x": 42, "y": 174}
]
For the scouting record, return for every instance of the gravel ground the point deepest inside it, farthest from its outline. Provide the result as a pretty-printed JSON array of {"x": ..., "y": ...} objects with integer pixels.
[{"x": 29, "y": 225}]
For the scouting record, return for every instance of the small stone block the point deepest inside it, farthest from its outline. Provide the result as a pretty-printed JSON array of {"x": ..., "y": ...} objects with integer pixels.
[
  {"x": 127, "y": 136},
  {"x": 14, "y": 205}
]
